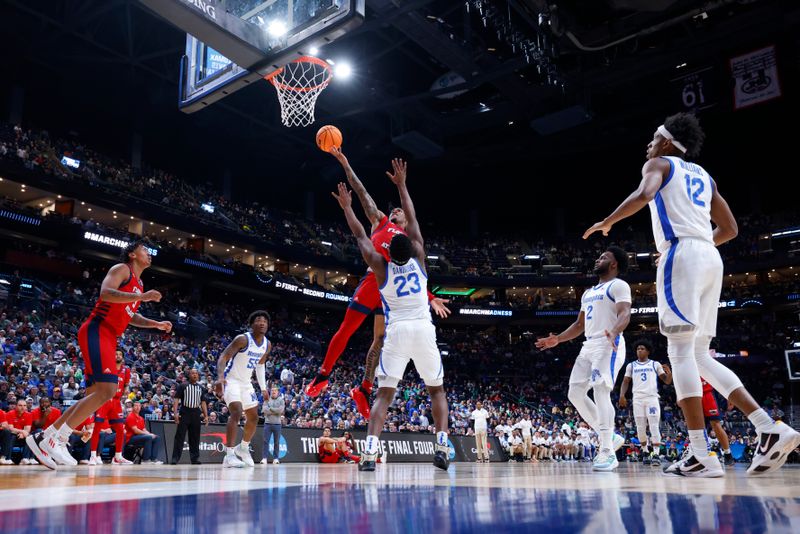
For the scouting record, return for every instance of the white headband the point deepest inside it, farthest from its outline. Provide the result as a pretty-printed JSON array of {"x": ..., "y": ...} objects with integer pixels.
[{"x": 666, "y": 135}]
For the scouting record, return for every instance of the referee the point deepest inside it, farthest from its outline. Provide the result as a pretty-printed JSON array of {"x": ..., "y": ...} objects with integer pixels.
[{"x": 192, "y": 403}]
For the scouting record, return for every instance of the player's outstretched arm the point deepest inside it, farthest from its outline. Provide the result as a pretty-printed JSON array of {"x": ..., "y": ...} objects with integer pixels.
[
  {"x": 722, "y": 217},
  {"x": 373, "y": 259},
  {"x": 237, "y": 345},
  {"x": 398, "y": 178},
  {"x": 572, "y": 331},
  {"x": 143, "y": 322},
  {"x": 370, "y": 208},
  {"x": 653, "y": 174}
]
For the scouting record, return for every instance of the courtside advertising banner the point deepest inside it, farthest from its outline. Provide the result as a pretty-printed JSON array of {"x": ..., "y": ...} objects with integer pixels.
[{"x": 300, "y": 445}]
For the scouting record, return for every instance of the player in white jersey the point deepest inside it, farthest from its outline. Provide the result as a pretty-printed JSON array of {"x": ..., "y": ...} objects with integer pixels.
[
  {"x": 605, "y": 313},
  {"x": 410, "y": 333},
  {"x": 644, "y": 374},
  {"x": 247, "y": 352},
  {"x": 684, "y": 202}
]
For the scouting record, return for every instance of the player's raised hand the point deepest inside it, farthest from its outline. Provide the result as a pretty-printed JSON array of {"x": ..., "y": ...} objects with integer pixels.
[
  {"x": 399, "y": 167},
  {"x": 548, "y": 342},
  {"x": 337, "y": 153},
  {"x": 602, "y": 226},
  {"x": 151, "y": 296},
  {"x": 439, "y": 308},
  {"x": 345, "y": 197}
]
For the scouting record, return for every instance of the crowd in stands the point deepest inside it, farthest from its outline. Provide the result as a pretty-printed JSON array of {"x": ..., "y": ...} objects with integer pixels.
[
  {"x": 496, "y": 365},
  {"x": 457, "y": 255}
]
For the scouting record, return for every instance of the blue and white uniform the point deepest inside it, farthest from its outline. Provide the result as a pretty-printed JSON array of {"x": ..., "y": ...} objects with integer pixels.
[
  {"x": 681, "y": 215},
  {"x": 410, "y": 334},
  {"x": 644, "y": 376},
  {"x": 239, "y": 373},
  {"x": 598, "y": 361}
]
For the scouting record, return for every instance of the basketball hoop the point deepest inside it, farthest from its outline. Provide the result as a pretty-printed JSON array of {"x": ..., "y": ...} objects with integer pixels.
[{"x": 298, "y": 85}]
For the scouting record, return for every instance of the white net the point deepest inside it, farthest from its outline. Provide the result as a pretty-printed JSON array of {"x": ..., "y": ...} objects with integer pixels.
[{"x": 298, "y": 85}]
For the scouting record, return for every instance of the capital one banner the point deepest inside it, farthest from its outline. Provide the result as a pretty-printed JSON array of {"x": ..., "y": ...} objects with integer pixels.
[{"x": 300, "y": 445}]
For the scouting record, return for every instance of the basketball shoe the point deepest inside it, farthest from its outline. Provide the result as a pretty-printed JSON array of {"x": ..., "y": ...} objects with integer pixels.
[
  {"x": 367, "y": 462},
  {"x": 317, "y": 385},
  {"x": 606, "y": 460},
  {"x": 774, "y": 446},
  {"x": 361, "y": 398},
  {"x": 441, "y": 458},
  {"x": 43, "y": 448},
  {"x": 692, "y": 466},
  {"x": 244, "y": 455}
]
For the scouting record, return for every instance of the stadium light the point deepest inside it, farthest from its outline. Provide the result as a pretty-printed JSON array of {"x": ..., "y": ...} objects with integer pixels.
[
  {"x": 343, "y": 70},
  {"x": 277, "y": 28}
]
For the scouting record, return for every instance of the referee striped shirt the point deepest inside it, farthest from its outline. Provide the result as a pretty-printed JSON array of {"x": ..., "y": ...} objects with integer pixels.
[{"x": 191, "y": 395}]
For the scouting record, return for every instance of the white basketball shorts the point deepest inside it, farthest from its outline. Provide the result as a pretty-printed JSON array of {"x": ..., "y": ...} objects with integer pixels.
[
  {"x": 410, "y": 341},
  {"x": 689, "y": 283},
  {"x": 646, "y": 407},
  {"x": 598, "y": 362},
  {"x": 236, "y": 391}
]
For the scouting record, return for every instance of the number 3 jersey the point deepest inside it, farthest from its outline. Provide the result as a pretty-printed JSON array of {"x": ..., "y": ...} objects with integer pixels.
[
  {"x": 682, "y": 205},
  {"x": 599, "y": 306},
  {"x": 240, "y": 367},
  {"x": 404, "y": 293},
  {"x": 644, "y": 376}
]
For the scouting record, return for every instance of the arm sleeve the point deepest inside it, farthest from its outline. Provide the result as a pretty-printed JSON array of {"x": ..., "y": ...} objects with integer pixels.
[
  {"x": 621, "y": 292},
  {"x": 261, "y": 377}
]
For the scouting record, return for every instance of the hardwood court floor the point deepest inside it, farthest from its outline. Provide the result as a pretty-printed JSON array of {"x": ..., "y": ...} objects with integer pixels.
[{"x": 487, "y": 498}]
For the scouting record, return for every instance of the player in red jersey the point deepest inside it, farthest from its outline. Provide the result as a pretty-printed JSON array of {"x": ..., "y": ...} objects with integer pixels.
[
  {"x": 111, "y": 412},
  {"x": 366, "y": 298},
  {"x": 714, "y": 417},
  {"x": 120, "y": 295}
]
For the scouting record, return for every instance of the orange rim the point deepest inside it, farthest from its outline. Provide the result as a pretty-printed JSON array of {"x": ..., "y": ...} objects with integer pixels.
[{"x": 302, "y": 59}]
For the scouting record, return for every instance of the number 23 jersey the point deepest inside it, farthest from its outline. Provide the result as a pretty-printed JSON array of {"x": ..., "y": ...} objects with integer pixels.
[{"x": 404, "y": 293}]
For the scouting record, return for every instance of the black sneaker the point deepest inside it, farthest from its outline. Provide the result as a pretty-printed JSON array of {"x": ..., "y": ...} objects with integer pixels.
[
  {"x": 646, "y": 459},
  {"x": 441, "y": 458},
  {"x": 727, "y": 459},
  {"x": 367, "y": 462}
]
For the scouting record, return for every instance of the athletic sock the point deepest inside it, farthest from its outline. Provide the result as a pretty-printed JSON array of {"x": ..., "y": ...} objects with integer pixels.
[
  {"x": 441, "y": 438},
  {"x": 372, "y": 445},
  {"x": 245, "y": 445},
  {"x": 65, "y": 432},
  {"x": 699, "y": 442},
  {"x": 761, "y": 420},
  {"x": 229, "y": 451}
]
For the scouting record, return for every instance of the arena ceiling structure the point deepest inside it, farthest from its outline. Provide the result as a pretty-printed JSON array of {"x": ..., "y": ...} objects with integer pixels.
[{"x": 468, "y": 90}]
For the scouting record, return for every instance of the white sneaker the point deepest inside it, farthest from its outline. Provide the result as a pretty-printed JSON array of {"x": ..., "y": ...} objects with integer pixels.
[
  {"x": 157, "y": 462},
  {"x": 44, "y": 448},
  {"x": 120, "y": 460},
  {"x": 232, "y": 461},
  {"x": 264, "y": 461},
  {"x": 95, "y": 460},
  {"x": 62, "y": 456},
  {"x": 6, "y": 461},
  {"x": 244, "y": 454},
  {"x": 276, "y": 462},
  {"x": 617, "y": 441},
  {"x": 692, "y": 466},
  {"x": 606, "y": 460},
  {"x": 774, "y": 446}
]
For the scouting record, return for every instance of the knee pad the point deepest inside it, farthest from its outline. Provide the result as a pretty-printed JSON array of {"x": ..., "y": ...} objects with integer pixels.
[{"x": 685, "y": 374}]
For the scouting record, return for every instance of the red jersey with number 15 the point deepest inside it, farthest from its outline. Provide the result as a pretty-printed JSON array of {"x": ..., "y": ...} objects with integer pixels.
[
  {"x": 117, "y": 316},
  {"x": 383, "y": 234}
]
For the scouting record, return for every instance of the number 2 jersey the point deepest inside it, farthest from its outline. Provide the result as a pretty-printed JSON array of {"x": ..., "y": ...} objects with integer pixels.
[
  {"x": 240, "y": 367},
  {"x": 599, "y": 306},
  {"x": 682, "y": 205},
  {"x": 404, "y": 293}
]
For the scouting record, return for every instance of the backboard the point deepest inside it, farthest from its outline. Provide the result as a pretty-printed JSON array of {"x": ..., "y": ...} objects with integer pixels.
[{"x": 232, "y": 43}]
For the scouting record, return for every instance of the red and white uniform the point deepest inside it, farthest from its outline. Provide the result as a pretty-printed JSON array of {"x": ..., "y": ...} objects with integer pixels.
[
  {"x": 111, "y": 410},
  {"x": 367, "y": 298},
  {"x": 710, "y": 408},
  {"x": 54, "y": 414},
  {"x": 98, "y": 335}
]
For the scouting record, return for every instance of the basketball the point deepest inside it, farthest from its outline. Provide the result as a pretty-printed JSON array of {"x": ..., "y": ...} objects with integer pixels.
[{"x": 329, "y": 137}]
